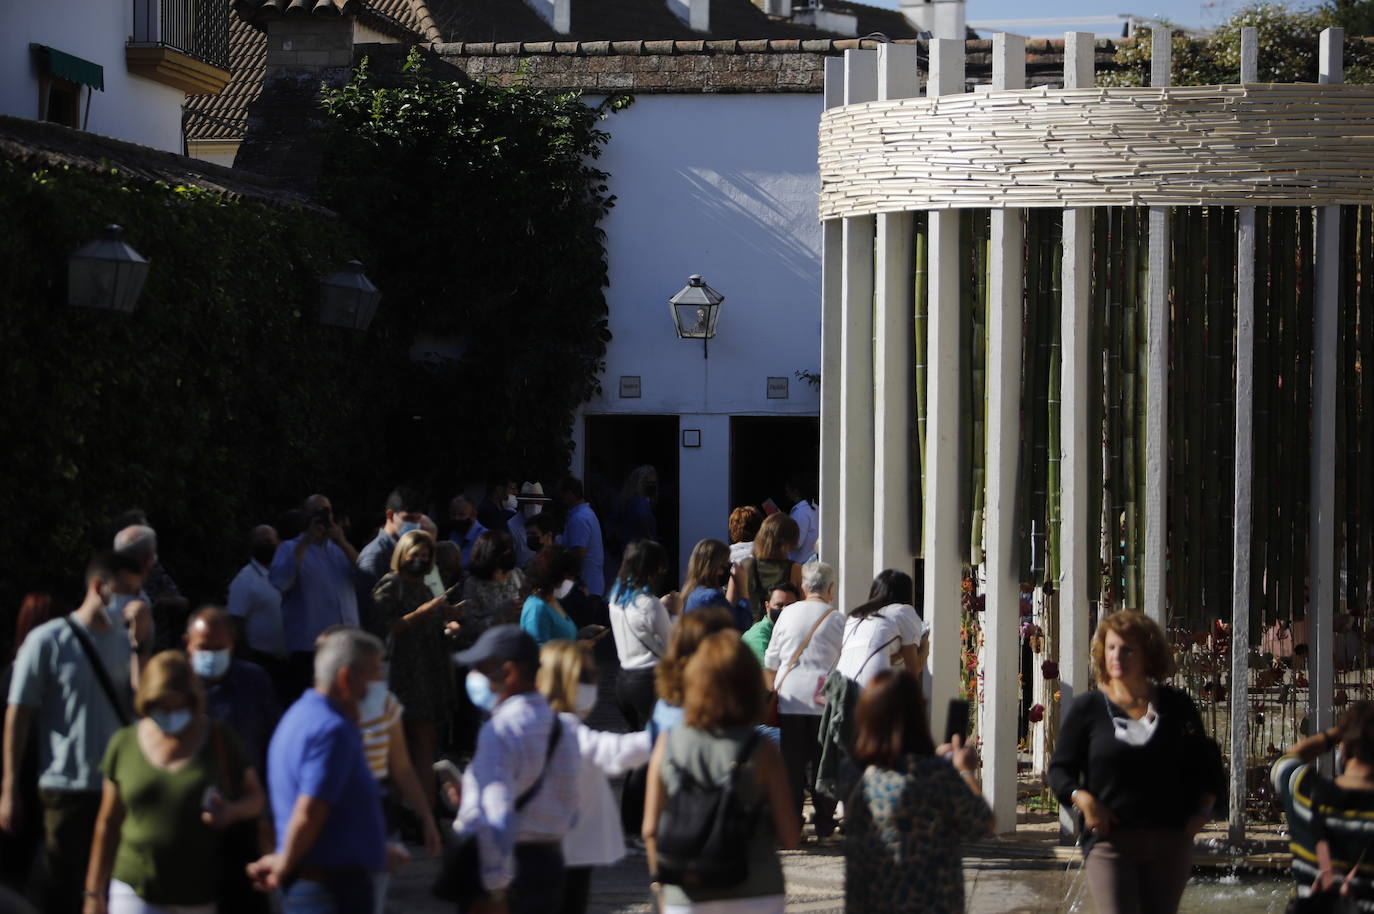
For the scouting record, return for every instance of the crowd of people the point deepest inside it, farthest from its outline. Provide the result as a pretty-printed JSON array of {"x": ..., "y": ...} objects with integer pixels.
[{"x": 345, "y": 705}]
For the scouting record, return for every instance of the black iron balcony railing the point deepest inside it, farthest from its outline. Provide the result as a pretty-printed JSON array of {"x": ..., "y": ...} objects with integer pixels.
[{"x": 198, "y": 28}]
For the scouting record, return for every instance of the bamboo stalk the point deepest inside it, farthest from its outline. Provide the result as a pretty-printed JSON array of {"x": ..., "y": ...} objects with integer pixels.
[
  {"x": 979, "y": 357},
  {"x": 1052, "y": 420}
]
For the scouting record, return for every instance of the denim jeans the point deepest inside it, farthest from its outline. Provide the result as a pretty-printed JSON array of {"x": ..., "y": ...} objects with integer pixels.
[{"x": 346, "y": 892}]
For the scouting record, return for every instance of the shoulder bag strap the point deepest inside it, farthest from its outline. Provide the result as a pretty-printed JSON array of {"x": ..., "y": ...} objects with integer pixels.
[
  {"x": 796, "y": 658},
  {"x": 98, "y": 668},
  {"x": 554, "y": 734},
  {"x": 882, "y": 647}
]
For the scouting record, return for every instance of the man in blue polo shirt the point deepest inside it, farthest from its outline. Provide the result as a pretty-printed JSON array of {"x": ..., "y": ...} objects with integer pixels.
[{"x": 331, "y": 838}]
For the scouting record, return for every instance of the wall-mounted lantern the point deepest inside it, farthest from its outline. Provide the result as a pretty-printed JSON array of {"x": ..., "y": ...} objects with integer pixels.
[
  {"x": 106, "y": 273},
  {"x": 348, "y": 298},
  {"x": 696, "y": 309}
]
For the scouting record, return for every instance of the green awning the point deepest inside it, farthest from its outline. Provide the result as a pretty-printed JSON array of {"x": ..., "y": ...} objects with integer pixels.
[{"x": 67, "y": 66}]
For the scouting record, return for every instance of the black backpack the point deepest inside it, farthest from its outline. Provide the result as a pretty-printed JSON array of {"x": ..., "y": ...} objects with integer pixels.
[{"x": 704, "y": 830}]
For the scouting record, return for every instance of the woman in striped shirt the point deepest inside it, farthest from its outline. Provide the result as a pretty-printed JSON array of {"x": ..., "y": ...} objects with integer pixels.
[{"x": 1344, "y": 820}]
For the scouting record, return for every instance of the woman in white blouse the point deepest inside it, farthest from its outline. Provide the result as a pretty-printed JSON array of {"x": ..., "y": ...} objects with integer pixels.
[
  {"x": 640, "y": 625},
  {"x": 802, "y": 652},
  {"x": 567, "y": 677},
  {"x": 884, "y": 631}
]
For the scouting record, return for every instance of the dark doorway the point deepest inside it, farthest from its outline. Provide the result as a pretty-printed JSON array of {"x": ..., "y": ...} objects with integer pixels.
[
  {"x": 764, "y": 449},
  {"x": 616, "y": 445}
]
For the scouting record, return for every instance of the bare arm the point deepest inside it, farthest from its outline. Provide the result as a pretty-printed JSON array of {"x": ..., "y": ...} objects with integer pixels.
[
  {"x": 738, "y": 587},
  {"x": 104, "y": 841},
  {"x": 772, "y": 777},
  {"x": 654, "y": 796},
  {"x": 796, "y": 576},
  {"x": 307, "y": 820},
  {"x": 907, "y": 654},
  {"x": 922, "y": 654},
  {"x": 247, "y": 806},
  {"x": 403, "y": 773},
  {"x": 769, "y": 677},
  {"x": 17, "y": 721}
]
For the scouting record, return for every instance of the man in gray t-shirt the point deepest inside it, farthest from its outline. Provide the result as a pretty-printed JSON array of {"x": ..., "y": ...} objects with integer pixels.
[{"x": 56, "y": 697}]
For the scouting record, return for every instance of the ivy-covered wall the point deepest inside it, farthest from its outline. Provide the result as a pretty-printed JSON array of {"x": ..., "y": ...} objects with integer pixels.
[{"x": 213, "y": 406}]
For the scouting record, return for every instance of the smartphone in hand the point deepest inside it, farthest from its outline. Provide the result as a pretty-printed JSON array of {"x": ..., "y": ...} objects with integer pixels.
[{"x": 957, "y": 720}]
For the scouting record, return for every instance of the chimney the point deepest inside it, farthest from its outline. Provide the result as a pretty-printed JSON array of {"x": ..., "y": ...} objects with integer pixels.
[
  {"x": 940, "y": 18},
  {"x": 557, "y": 13},
  {"x": 695, "y": 14}
]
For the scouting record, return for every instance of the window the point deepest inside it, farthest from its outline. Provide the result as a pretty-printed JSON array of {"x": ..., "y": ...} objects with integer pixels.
[{"x": 62, "y": 102}]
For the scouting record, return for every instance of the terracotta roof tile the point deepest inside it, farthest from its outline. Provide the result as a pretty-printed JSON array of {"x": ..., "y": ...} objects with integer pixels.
[{"x": 224, "y": 116}]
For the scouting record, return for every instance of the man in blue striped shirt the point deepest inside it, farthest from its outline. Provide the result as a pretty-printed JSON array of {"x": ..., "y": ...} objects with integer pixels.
[{"x": 522, "y": 751}]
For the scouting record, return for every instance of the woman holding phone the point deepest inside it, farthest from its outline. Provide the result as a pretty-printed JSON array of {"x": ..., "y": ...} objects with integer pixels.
[
  {"x": 912, "y": 808},
  {"x": 417, "y": 648}
]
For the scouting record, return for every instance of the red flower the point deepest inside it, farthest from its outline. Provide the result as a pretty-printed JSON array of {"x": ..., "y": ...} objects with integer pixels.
[
  {"x": 1037, "y": 713},
  {"x": 1049, "y": 669}
]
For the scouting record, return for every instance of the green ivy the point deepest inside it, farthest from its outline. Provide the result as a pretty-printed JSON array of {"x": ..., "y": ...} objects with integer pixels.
[
  {"x": 1287, "y": 49},
  {"x": 214, "y": 405},
  {"x": 483, "y": 204}
]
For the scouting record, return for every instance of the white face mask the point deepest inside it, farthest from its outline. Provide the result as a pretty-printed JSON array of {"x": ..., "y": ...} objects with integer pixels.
[
  {"x": 532, "y": 510},
  {"x": 563, "y": 590},
  {"x": 211, "y": 664},
  {"x": 510, "y": 504},
  {"x": 586, "y": 699},
  {"x": 374, "y": 702}
]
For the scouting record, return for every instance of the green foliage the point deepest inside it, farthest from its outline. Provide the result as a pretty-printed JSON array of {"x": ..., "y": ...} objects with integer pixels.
[
  {"x": 1287, "y": 50},
  {"x": 483, "y": 205},
  {"x": 217, "y": 403},
  {"x": 1355, "y": 16}
]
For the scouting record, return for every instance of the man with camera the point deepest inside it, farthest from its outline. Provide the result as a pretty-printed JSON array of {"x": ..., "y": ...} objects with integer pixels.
[{"x": 314, "y": 573}]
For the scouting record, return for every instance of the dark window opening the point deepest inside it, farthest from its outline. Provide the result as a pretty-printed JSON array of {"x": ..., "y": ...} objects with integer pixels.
[{"x": 63, "y": 102}]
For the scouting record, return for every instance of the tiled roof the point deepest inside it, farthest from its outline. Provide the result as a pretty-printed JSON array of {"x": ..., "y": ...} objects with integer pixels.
[
  {"x": 872, "y": 20},
  {"x": 224, "y": 116},
  {"x": 607, "y": 20},
  {"x": 402, "y": 19},
  {"x": 42, "y": 143}
]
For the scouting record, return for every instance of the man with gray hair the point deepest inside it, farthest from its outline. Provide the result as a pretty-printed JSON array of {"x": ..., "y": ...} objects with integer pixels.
[
  {"x": 331, "y": 837},
  {"x": 803, "y": 650}
]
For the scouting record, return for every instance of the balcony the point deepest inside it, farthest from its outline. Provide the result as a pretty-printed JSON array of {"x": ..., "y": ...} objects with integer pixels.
[{"x": 181, "y": 43}]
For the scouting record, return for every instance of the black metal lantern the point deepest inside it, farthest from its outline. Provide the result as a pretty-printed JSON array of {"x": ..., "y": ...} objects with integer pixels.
[
  {"x": 106, "y": 273},
  {"x": 348, "y": 298},
  {"x": 696, "y": 309}
]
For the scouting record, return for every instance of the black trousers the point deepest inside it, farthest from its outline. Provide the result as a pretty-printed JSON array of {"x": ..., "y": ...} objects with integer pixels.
[
  {"x": 538, "y": 885},
  {"x": 577, "y": 889},
  {"x": 68, "y": 823},
  {"x": 635, "y": 693},
  {"x": 801, "y": 753}
]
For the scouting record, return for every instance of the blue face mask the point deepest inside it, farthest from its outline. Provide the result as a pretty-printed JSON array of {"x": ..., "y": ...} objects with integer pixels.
[
  {"x": 374, "y": 702},
  {"x": 406, "y": 527},
  {"x": 480, "y": 691},
  {"x": 211, "y": 664},
  {"x": 115, "y": 608},
  {"x": 171, "y": 722}
]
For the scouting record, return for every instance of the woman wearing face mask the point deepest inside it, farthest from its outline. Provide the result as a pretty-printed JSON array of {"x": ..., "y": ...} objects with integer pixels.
[
  {"x": 568, "y": 679},
  {"x": 417, "y": 649},
  {"x": 491, "y": 594},
  {"x": 641, "y": 625},
  {"x": 708, "y": 571},
  {"x": 550, "y": 580},
  {"x": 157, "y": 840},
  {"x": 379, "y": 718}
]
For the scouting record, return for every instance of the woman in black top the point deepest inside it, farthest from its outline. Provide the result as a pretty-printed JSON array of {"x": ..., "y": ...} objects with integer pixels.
[{"x": 1134, "y": 760}]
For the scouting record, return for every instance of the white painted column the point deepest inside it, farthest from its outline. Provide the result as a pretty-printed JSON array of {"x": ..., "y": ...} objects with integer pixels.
[
  {"x": 1001, "y": 634},
  {"x": 1325, "y": 325},
  {"x": 894, "y": 353},
  {"x": 1157, "y": 377},
  {"x": 1245, "y": 463},
  {"x": 1076, "y": 569},
  {"x": 943, "y": 569},
  {"x": 856, "y": 371},
  {"x": 832, "y": 319}
]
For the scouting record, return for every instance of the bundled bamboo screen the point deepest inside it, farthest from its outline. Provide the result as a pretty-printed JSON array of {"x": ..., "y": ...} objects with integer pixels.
[{"x": 1184, "y": 146}]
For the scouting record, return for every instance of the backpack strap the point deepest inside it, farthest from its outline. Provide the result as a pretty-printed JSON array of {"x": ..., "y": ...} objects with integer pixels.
[{"x": 98, "y": 668}]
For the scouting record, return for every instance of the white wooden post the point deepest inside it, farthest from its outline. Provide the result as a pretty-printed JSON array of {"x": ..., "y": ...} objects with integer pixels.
[
  {"x": 832, "y": 319},
  {"x": 856, "y": 371},
  {"x": 1157, "y": 376},
  {"x": 941, "y": 517},
  {"x": 1245, "y": 462},
  {"x": 1325, "y": 323},
  {"x": 1076, "y": 575},
  {"x": 1001, "y": 639},
  {"x": 894, "y": 353}
]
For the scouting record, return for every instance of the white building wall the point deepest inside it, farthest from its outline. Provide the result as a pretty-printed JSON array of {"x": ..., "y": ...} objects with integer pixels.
[
  {"x": 131, "y": 108},
  {"x": 724, "y": 186}
]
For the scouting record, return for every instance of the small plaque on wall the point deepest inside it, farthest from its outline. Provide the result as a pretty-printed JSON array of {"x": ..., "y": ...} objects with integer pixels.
[
  {"x": 777, "y": 388},
  {"x": 629, "y": 387},
  {"x": 691, "y": 437}
]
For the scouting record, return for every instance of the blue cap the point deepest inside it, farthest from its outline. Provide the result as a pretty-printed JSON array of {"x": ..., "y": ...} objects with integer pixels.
[{"x": 500, "y": 642}]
